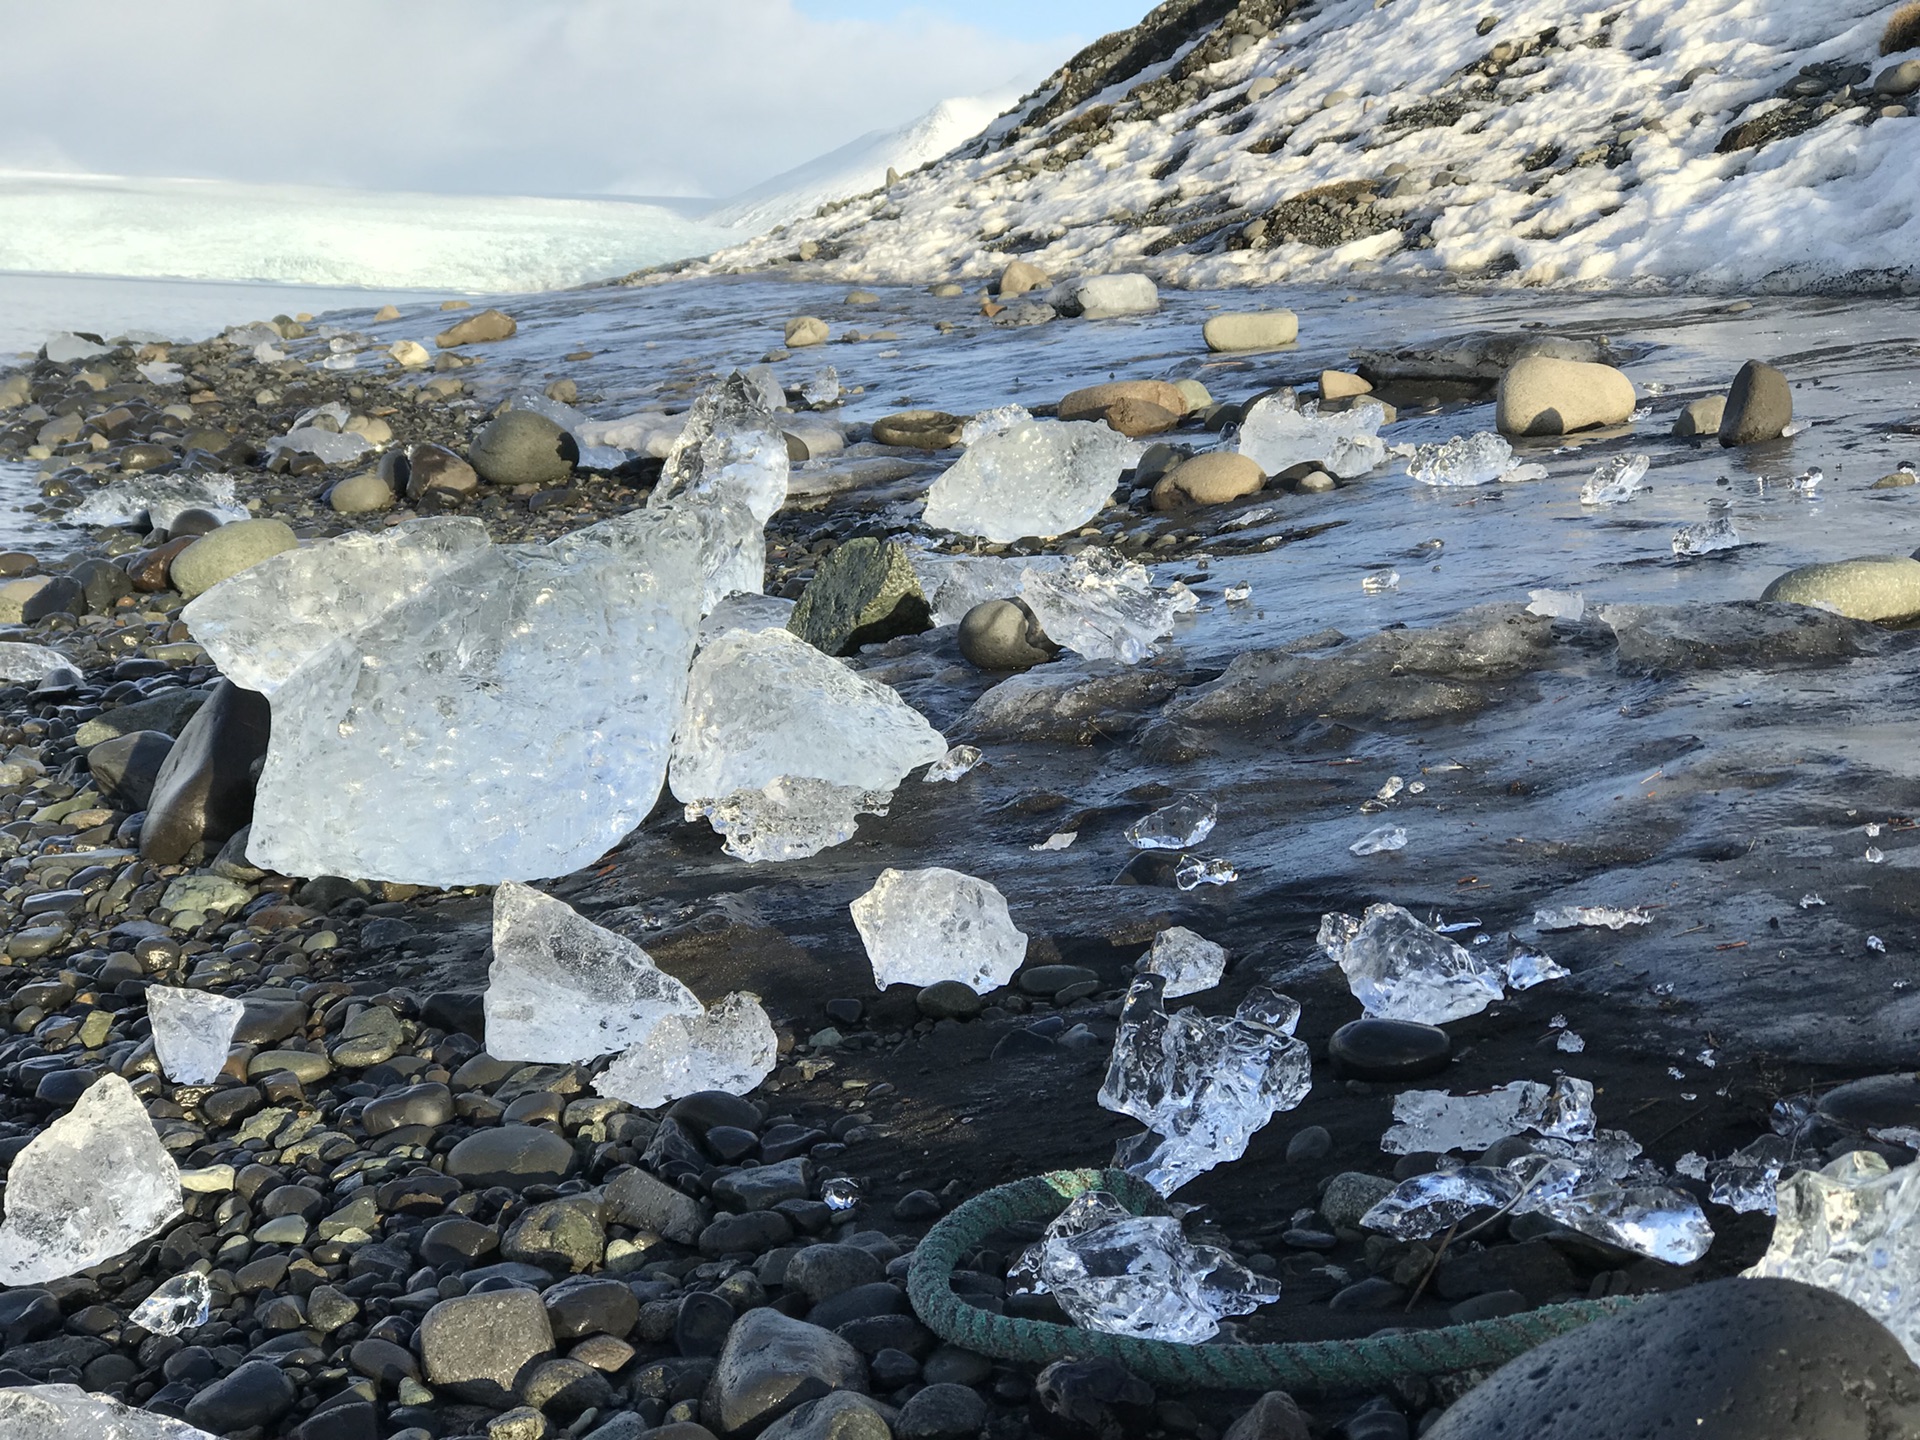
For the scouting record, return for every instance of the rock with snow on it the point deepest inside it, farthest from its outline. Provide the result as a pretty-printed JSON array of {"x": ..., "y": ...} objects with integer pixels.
[
  {"x": 410, "y": 355},
  {"x": 731, "y": 1047},
  {"x": 191, "y": 1032},
  {"x": 1106, "y": 297},
  {"x": 924, "y": 926}
]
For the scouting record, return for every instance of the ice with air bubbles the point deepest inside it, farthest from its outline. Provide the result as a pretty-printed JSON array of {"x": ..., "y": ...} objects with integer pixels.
[
  {"x": 191, "y": 1032},
  {"x": 1468, "y": 460},
  {"x": 1189, "y": 963},
  {"x": 1176, "y": 825},
  {"x": 921, "y": 927},
  {"x": 1400, "y": 969},
  {"x": 1615, "y": 479},
  {"x": 731, "y": 1046},
  {"x": 175, "y": 1306},
  {"x": 1038, "y": 477},
  {"x": 1438, "y": 1121}
]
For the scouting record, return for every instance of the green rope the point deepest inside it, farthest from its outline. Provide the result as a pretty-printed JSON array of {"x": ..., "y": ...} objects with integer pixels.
[{"x": 1323, "y": 1367}]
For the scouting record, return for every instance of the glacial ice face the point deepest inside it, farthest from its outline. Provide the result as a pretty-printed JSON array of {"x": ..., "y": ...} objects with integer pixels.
[
  {"x": 191, "y": 1032},
  {"x": 92, "y": 1185},
  {"x": 266, "y": 622},
  {"x": 730, "y": 449},
  {"x": 1189, "y": 963},
  {"x": 1399, "y": 969},
  {"x": 1279, "y": 433},
  {"x": 66, "y": 1412},
  {"x": 1201, "y": 1085},
  {"x": 509, "y": 721},
  {"x": 1124, "y": 1274},
  {"x": 562, "y": 990},
  {"x": 1040, "y": 477},
  {"x": 177, "y": 1305},
  {"x": 1437, "y": 1121},
  {"x": 731, "y": 1047},
  {"x": 924, "y": 926},
  {"x": 158, "y": 500},
  {"x": 1175, "y": 826},
  {"x": 1469, "y": 460},
  {"x": 21, "y": 663},
  {"x": 764, "y": 709},
  {"x": 1102, "y": 606}
]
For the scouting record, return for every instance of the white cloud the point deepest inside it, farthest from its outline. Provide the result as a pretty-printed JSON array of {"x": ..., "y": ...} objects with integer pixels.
[{"x": 665, "y": 97}]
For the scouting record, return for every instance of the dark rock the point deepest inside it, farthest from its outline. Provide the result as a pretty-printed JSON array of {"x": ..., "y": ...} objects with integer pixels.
[
  {"x": 863, "y": 592},
  {"x": 772, "y": 1364},
  {"x": 704, "y": 1109},
  {"x": 820, "y": 1271},
  {"x": 1098, "y": 1398},
  {"x": 641, "y": 1201},
  {"x": 1877, "y": 1102},
  {"x": 861, "y": 1302},
  {"x": 566, "y": 1236},
  {"x": 942, "y": 1412},
  {"x": 751, "y": 1233},
  {"x": 919, "y": 429},
  {"x": 457, "y": 1241},
  {"x": 383, "y": 1361},
  {"x": 1373, "y": 1293},
  {"x": 436, "y": 468},
  {"x": 27, "y": 1314},
  {"x": 477, "y": 1344},
  {"x": 522, "y": 447},
  {"x": 1759, "y": 406},
  {"x": 461, "y": 1011},
  {"x": 1150, "y": 867},
  {"x": 918, "y": 1205},
  {"x": 204, "y": 789},
  {"x": 1051, "y": 979},
  {"x": 1490, "y": 1306},
  {"x": 515, "y": 1156},
  {"x": 415, "y": 1105},
  {"x": 1375, "y": 1049},
  {"x": 258, "y": 1393},
  {"x": 1309, "y": 1143},
  {"x": 354, "y": 1420},
  {"x": 1274, "y": 1416},
  {"x": 949, "y": 1000},
  {"x": 1535, "y": 1269},
  {"x": 950, "y": 1365},
  {"x": 702, "y": 1324},
  {"x": 591, "y": 1306},
  {"x": 765, "y": 1186},
  {"x": 728, "y": 1143},
  {"x": 60, "y": 594},
  {"x": 1004, "y": 635},
  {"x": 842, "y": 1415},
  {"x": 565, "y": 1388},
  {"x": 267, "y": 1019},
  {"x": 168, "y": 712}
]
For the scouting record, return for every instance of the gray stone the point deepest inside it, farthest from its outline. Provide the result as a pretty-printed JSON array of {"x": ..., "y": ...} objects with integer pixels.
[
  {"x": 435, "y": 467},
  {"x": 1274, "y": 1416},
  {"x": 842, "y": 1415},
  {"x": 515, "y": 1156},
  {"x": 566, "y": 1236},
  {"x": 101, "y": 584},
  {"x": 749, "y": 1234},
  {"x": 1702, "y": 418},
  {"x": 1730, "y": 1360},
  {"x": 523, "y": 447},
  {"x": 475, "y": 1346},
  {"x": 642, "y": 1201},
  {"x": 1759, "y": 406},
  {"x": 949, "y": 1000},
  {"x": 1349, "y": 1195},
  {"x": 256, "y": 1394},
  {"x": 863, "y": 592},
  {"x": 227, "y": 551},
  {"x": 168, "y": 713},
  {"x": 1004, "y": 635},
  {"x": 203, "y": 791},
  {"x": 766, "y": 1186},
  {"x": 773, "y": 1364},
  {"x": 1872, "y": 587},
  {"x": 369, "y": 1038},
  {"x": 819, "y": 1271},
  {"x": 1898, "y": 80},
  {"x": 361, "y": 494},
  {"x": 125, "y": 767},
  {"x": 942, "y": 1412}
]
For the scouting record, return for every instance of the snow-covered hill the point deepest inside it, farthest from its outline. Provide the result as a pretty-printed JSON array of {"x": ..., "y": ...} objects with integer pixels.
[{"x": 1719, "y": 144}]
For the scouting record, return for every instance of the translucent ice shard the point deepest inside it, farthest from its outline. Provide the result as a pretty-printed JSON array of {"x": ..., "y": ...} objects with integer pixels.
[
  {"x": 1655, "y": 1221},
  {"x": 1374, "y": 842},
  {"x": 1124, "y": 1274},
  {"x": 157, "y": 500},
  {"x": 330, "y": 447},
  {"x": 177, "y": 1305},
  {"x": 1189, "y": 963},
  {"x": 1175, "y": 826},
  {"x": 1192, "y": 872},
  {"x": 731, "y": 1047},
  {"x": 924, "y": 926},
  {"x": 1201, "y": 1085},
  {"x": 1399, "y": 969},
  {"x": 450, "y": 727},
  {"x": 1379, "y": 582},
  {"x": 29, "y": 664},
  {"x": 562, "y": 990},
  {"x": 264, "y": 623},
  {"x": 1527, "y": 967},
  {"x": 1427, "y": 1204},
  {"x": 1434, "y": 1120},
  {"x": 1040, "y": 477},
  {"x": 191, "y": 1032},
  {"x": 1469, "y": 460},
  {"x": 1705, "y": 538},
  {"x": 993, "y": 422},
  {"x": 955, "y": 584},
  {"x": 1598, "y": 917},
  {"x": 1557, "y": 604},
  {"x": 1101, "y": 605},
  {"x": 92, "y": 1185},
  {"x": 765, "y": 708},
  {"x": 1747, "y": 1180},
  {"x": 958, "y": 761},
  {"x": 1280, "y": 433},
  {"x": 66, "y": 1412},
  {"x": 731, "y": 449},
  {"x": 744, "y": 611},
  {"x": 1615, "y": 479}
]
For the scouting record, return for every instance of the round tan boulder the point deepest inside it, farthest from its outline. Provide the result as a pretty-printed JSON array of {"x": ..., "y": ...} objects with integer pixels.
[
  {"x": 1341, "y": 384},
  {"x": 1135, "y": 418},
  {"x": 1873, "y": 587},
  {"x": 1210, "y": 479},
  {"x": 806, "y": 330},
  {"x": 232, "y": 548},
  {"x": 1541, "y": 396},
  {"x": 1093, "y": 402},
  {"x": 1021, "y": 277},
  {"x": 361, "y": 495}
]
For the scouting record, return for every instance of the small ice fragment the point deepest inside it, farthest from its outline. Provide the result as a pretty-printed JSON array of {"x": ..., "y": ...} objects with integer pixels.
[
  {"x": 1558, "y": 1022},
  {"x": 1599, "y": 917},
  {"x": 179, "y": 1304},
  {"x": 1469, "y": 460},
  {"x": 1374, "y": 842},
  {"x": 993, "y": 422},
  {"x": 66, "y": 1412},
  {"x": 267, "y": 353},
  {"x": 951, "y": 766},
  {"x": 1708, "y": 1058},
  {"x": 1059, "y": 840},
  {"x": 161, "y": 372},
  {"x": 1810, "y": 900},
  {"x": 1640, "y": 412},
  {"x": 1674, "y": 1072},
  {"x": 1693, "y": 1165},
  {"x": 1873, "y": 855},
  {"x": 92, "y": 1185},
  {"x": 562, "y": 990},
  {"x": 1138, "y": 1275},
  {"x": 1557, "y": 604},
  {"x": 822, "y": 387},
  {"x": 1569, "y": 1042},
  {"x": 1378, "y": 582},
  {"x": 1615, "y": 479},
  {"x": 1435, "y": 1120},
  {"x": 1038, "y": 477},
  {"x": 924, "y": 926},
  {"x": 840, "y": 1194},
  {"x": 1188, "y": 962},
  {"x": 1875, "y": 943},
  {"x": 1705, "y": 538},
  {"x": 1528, "y": 967},
  {"x": 191, "y": 1032},
  {"x": 331, "y": 447},
  {"x": 1665, "y": 1224},
  {"x": 789, "y": 818},
  {"x": 1102, "y": 605},
  {"x": 1809, "y": 482},
  {"x": 1176, "y": 826},
  {"x": 22, "y": 663},
  {"x": 1746, "y": 1180},
  {"x": 1418, "y": 787},
  {"x": 1425, "y": 1205},
  {"x": 1393, "y": 786},
  {"x": 1238, "y": 594},
  {"x": 1451, "y": 927},
  {"x": 1192, "y": 872},
  {"x": 1872, "y": 828},
  {"x": 731, "y": 1047},
  {"x": 1399, "y": 969},
  {"x": 1249, "y": 518},
  {"x": 1279, "y": 433},
  {"x": 1201, "y": 1085}
]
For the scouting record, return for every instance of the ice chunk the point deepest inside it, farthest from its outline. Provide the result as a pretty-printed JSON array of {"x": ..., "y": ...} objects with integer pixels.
[
  {"x": 745, "y": 611},
  {"x": 157, "y": 500},
  {"x": 1470, "y": 460},
  {"x": 1570, "y": 1042},
  {"x": 644, "y": 432},
  {"x": 161, "y": 372},
  {"x": 764, "y": 707},
  {"x": 1192, "y": 872},
  {"x": 1615, "y": 479},
  {"x": 1399, "y": 969},
  {"x": 924, "y": 926},
  {"x": 1059, "y": 840},
  {"x": 1705, "y": 538},
  {"x": 731, "y": 448},
  {"x": 1237, "y": 594},
  {"x": 1375, "y": 842},
  {"x": 177, "y": 1305},
  {"x": 511, "y": 720},
  {"x": 1379, "y": 582},
  {"x": 731, "y": 1047},
  {"x": 996, "y": 421},
  {"x": 1175, "y": 826},
  {"x": 1746, "y": 1180},
  {"x": 1189, "y": 963},
  {"x": 1201, "y": 1085},
  {"x": 1125, "y": 1274},
  {"x": 1428, "y": 1204},
  {"x": 1528, "y": 967},
  {"x": 1040, "y": 477},
  {"x": 1655, "y": 1221},
  {"x": 63, "y": 347},
  {"x": 21, "y": 663},
  {"x": 958, "y": 761},
  {"x": 562, "y": 990},
  {"x": 1279, "y": 433},
  {"x": 1434, "y": 1120},
  {"x": 1557, "y": 604},
  {"x": 955, "y": 584},
  {"x": 1101, "y": 605},
  {"x": 822, "y": 387},
  {"x": 330, "y": 447},
  {"x": 191, "y": 1032},
  {"x": 92, "y": 1185},
  {"x": 1598, "y": 917},
  {"x": 840, "y": 1194},
  {"x": 66, "y": 1412}
]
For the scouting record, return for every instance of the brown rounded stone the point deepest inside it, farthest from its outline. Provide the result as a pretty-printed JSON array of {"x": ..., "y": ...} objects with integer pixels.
[
  {"x": 1095, "y": 401},
  {"x": 151, "y": 569},
  {"x": 1135, "y": 418}
]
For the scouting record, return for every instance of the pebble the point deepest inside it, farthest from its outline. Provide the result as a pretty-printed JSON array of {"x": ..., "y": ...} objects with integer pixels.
[
  {"x": 942, "y": 1412},
  {"x": 1000, "y": 635},
  {"x": 362, "y": 494},
  {"x": 1377, "y": 1049},
  {"x": 1899, "y": 79},
  {"x": 1701, "y": 418},
  {"x": 484, "y": 328},
  {"x": 1350, "y": 1195},
  {"x": 1759, "y": 406},
  {"x": 1877, "y": 1102},
  {"x": 805, "y": 330},
  {"x": 949, "y": 1000},
  {"x": 515, "y": 1156}
]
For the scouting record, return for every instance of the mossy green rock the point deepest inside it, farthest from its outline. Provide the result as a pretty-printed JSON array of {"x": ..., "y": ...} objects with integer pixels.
[
  {"x": 1873, "y": 587},
  {"x": 863, "y": 592}
]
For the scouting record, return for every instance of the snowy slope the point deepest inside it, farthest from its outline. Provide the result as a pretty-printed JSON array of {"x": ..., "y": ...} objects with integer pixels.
[{"x": 1717, "y": 144}]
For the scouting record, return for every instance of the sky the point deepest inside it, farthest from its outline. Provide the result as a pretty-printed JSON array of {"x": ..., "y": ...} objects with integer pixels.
[{"x": 536, "y": 97}]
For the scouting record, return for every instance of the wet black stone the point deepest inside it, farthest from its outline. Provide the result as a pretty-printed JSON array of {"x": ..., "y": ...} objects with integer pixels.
[
  {"x": 728, "y": 1143},
  {"x": 594, "y": 1306},
  {"x": 1310, "y": 1143},
  {"x": 1373, "y": 1049},
  {"x": 941, "y": 1412},
  {"x": 1373, "y": 1293},
  {"x": 63, "y": 1087},
  {"x": 845, "y": 1012},
  {"x": 918, "y": 1205},
  {"x": 27, "y": 1315},
  {"x": 891, "y": 1369},
  {"x": 701, "y": 1111},
  {"x": 1878, "y": 1102},
  {"x": 1150, "y": 867},
  {"x": 415, "y": 1105},
  {"x": 1093, "y": 1397},
  {"x": 204, "y": 791},
  {"x": 462, "y": 1011},
  {"x": 458, "y": 1240},
  {"x": 353, "y": 1420},
  {"x": 101, "y": 584},
  {"x": 1020, "y": 1044},
  {"x": 258, "y": 1393},
  {"x": 1535, "y": 1268},
  {"x": 783, "y": 1142},
  {"x": 194, "y": 522},
  {"x": 751, "y": 1233},
  {"x": 701, "y": 1326},
  {"x": 60, "y": 594},
  {"x": 862, "y": 1302}
]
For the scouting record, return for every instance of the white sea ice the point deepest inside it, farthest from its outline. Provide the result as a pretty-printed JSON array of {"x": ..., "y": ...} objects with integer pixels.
[
  {"x": 332, "y": 447},
  {"x": 1437, "y": 1121},
  {"x": 1279, "y": 433},
  {"x": 66, "y": 1412},
  {"x": 1176, "y": 825},
  {"x": 924, "y": 926},
  {"x": 1599, "y": 917},
  {"x": 1468, "y": 460},
  {"x": 1528, "y": 967},
  {"x": 1379, "y": 582},
  {"x": 161, "y": 372},
  {"x": 1705, "y": 538},
  {"x": 191, "y": 1032},
  {"x": 1615, "y": 479},
  {"x": 21, "y": 663},
  {"x": 1040, "y": 477},
  {"x": 1384, "y": 840},
  {"x": 1189, "y": 963},
  {"x": 562, "y": 990},
  {"x": 92, "y": 1185},
  {"x": 157, "y": 500},
  {"x": 1102, "y": 605},
  {"x": 63, "y": 347},
  {"x": 1557, "y": 604},
  {"x": 1201, "y": 1085},
  {"x": 1400, "y": 969},
  {"x": 731, "y": 1047},
  {"x": 175, "y": 1306}
]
